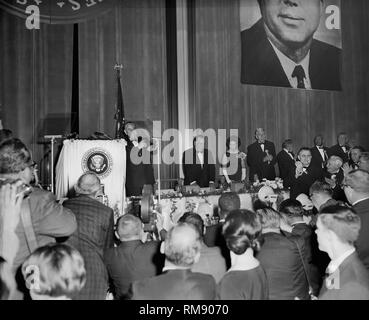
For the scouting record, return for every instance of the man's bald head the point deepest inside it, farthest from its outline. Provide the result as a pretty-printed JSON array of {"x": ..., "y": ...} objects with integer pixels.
[
  {"x": 129, "y": 227},
  {"x": 183, "y": 245},
  {"x": 88, "y": 184}
]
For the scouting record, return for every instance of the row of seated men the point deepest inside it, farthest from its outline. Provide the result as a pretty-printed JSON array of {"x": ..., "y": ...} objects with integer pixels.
[{"x": 89, "y": 228}]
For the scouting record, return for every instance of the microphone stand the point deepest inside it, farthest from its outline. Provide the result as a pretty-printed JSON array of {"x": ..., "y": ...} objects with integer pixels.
[{"x": 52, "y": 141}]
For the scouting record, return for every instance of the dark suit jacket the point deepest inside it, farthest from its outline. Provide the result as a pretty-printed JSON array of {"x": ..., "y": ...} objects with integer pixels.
[
  {"x": 131, "y": 261},
  {"x": 362, "y": 243},
  {"x": 255, "y": 157},
  {"x": 211, "y": 262},
  {"x": 317, "y": 160},
  {"x": 213, "y": 237},
  {"x": 285, "y": 164},
  {"x": 94, "y": 235},
  {"x": 283, "y": 266},
  {"x": 193, "y": 171},
  {"x": 303, "y": 183},
  {"x": 176, "y": 285},
  {"x": 349, "y": 282},
  {"x": 307, "y": 234},
  {"x": 338, "y": 193},
  {"x": 261, "y": 66},
  {"x": 137, "y": 175},
  {"x": 336, "y": 150}
]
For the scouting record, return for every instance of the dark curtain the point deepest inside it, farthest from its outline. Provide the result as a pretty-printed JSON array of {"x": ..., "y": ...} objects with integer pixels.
[{"x": 35, "y": 80}]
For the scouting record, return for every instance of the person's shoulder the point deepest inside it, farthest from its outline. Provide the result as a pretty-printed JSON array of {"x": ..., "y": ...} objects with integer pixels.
[
  {"x": 325, "y": 48},
  {"x": 253, "y": 33}
]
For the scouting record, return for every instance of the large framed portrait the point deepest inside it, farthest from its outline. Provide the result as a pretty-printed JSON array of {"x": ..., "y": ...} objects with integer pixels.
[{"x": 293, "y": 44}]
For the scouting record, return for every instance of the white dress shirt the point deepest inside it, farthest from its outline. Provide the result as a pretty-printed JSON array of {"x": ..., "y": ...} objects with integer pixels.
[
  {"x": 321, "y": 151},
  {"x": 289, "y": 153},
  {"x": 200, "y": 155},
  {"x": 289, "y": 65}
]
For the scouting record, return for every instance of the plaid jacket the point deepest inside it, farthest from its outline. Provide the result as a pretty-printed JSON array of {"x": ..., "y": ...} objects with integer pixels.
[{"x": 94, "y": 235}]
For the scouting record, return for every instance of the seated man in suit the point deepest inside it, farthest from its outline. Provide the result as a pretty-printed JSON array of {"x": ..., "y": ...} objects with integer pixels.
[
  {"x": 294, "y": 225},
  {"x": 319, "y": 153},
  {"x": 133, "y": 259},
  {"x": 94, "y": 235},
  {"x": 211, "y": 260},
  {"x": 303, "y": 175},
  {"x": 356, "y": 187},
  {"x": 261, "y": 157},
  {"x": 355, "y": 154},
  {"x": 341, "y": 149},
  {"x": 286, "y": 160},
  {"x": 279, "y": 49},
  {"x": 198, "y": 164},
  {"x": 347, "y": 279},
  {"x": 279, "y": 257},
  {"x": 364, "y": 161},
  {"x": 333, "y": 174},
  {"x": 182, "y": 249}
]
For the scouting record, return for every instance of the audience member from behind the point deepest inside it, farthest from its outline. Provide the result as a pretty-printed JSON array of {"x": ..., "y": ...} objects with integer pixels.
[
  {"x": 321, "y": 195},
  {"x": 133, "y": 259},
  {"x": 227, "y": 202},
  {"x": 7, "y": 281},
  {"x": 94, "y": 235},
  {"x": 5, "y": 134},
  {"x": 182, "y": 249},
  {"x": 211, "y": 260},
  {"x": 347, "y": 279},
  {"x": 246, "y": 279},
  {"x": 280, "y": 258},
  {"x": 294, "y": 227},
  {"x": 54, "y": 272},
  {"x": 44, "y": 217},
  {"x": 356, "y": 187}
]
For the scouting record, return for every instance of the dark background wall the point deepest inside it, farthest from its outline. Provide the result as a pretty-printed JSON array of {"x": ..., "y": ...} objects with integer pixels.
[{"x": 219, "y": 99}]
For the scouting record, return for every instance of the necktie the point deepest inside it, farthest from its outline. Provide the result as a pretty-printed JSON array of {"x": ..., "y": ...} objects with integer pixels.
[{"x": 299, "y": 73}]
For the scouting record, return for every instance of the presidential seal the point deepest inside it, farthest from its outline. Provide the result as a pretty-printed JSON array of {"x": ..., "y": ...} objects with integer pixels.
[{"x": 99, "y": 161}]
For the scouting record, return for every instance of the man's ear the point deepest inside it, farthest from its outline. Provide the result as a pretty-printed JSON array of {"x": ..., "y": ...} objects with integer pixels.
[{"x": 197, "y": 257}]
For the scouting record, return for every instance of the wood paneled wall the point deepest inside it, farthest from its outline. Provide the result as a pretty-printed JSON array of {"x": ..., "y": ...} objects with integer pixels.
[{"x": 221, "y": 101}]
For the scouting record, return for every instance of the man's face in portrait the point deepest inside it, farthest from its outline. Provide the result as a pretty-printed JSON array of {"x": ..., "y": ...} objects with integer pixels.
[{"x": 293, "y": 22}]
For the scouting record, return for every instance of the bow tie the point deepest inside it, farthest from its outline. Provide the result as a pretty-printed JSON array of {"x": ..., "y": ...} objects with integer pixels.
[
  {"x": 321, "y": 148},
  {"x": 261, "y": 143},
  {"x": 304, "y": 170}
]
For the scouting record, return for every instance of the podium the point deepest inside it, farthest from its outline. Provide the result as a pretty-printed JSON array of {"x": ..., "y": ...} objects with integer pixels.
[{"x": 106, "y": 158}]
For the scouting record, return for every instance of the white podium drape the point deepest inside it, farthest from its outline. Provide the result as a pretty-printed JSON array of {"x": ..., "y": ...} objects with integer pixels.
[{"x": 107, "y": 158}]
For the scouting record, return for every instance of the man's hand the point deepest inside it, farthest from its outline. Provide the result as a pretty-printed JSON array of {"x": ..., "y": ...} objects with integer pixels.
[
  {"x": 10, "y": 202},
  {"x": 346, "y": 169},
  {"x": 299, "y": 169}
]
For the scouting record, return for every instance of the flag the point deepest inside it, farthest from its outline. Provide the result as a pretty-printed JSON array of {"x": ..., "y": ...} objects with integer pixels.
[{"x": 119, "y": 113}]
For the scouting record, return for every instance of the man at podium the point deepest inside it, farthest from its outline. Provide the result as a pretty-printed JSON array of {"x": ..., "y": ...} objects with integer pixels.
[{"x": 139, "y": 170}]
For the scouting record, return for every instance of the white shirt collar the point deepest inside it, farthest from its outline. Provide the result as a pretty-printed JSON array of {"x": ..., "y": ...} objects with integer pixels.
[
  {"x": 334, "y": 264},
  {"x": 356, "y": 202},
  {"x": 169, "y": 268},
  {"x": 289, "y": 65}
]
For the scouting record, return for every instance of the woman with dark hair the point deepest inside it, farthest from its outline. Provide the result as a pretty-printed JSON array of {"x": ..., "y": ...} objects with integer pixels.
[
  {"x": 245, "y": 280},
  {"x": 234, "y": 161}
]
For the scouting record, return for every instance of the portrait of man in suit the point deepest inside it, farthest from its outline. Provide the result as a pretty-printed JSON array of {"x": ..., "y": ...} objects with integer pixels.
[{"x": 281, "y": 49}]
